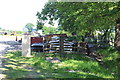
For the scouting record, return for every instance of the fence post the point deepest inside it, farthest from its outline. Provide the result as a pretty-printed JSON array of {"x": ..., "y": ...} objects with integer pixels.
[
  {"x": 61, "y": 50},
  {"x": 26, "y": 45},
  {"x": 78, "y": 47}
]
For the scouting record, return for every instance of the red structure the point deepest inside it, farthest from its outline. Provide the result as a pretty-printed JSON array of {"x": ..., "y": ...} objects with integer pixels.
[
  {"x": 48, "y": 37},
  {"x": 36, "y": 40},
  {"x": 41, "y": 40}
]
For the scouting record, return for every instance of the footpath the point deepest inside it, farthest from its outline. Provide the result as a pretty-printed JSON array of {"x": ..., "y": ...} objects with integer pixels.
[{"x": 4, "y": 47}]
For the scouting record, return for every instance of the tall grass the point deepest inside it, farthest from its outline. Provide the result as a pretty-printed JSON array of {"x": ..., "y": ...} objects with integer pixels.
[
  {"x": 110, "y": 56},
  {"x": 72, "y": 65}
]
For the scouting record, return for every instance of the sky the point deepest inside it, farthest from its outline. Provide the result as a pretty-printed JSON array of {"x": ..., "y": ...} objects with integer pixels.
[{"x": 15, "y": 14}]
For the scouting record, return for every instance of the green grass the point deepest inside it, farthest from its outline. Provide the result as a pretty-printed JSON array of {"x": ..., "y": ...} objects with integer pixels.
[
  {"x": 71, "y": 65},
  {"x": 110, "y": 56},
  {"x": 83, "y": 67}
]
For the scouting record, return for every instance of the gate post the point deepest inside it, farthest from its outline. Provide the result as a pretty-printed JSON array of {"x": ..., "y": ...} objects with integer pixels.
[
  {"x": 26, "y": 45},
  {"x": 61, "y": 50}
]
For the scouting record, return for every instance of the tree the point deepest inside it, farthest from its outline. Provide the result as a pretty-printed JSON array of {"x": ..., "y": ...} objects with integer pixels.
[
  {"x": 117, "y": 35},
  {"x": 81, "y": 17},
  {"x": 48, "y": 30},
  {"x": 19, "y": 32},
  {"x": 29, "y": 27}
]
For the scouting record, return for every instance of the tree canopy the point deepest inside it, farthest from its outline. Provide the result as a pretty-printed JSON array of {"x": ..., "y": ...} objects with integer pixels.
[
  {"x": 80, "y": 17},
  {"x": 29, "y": 27},
  {"x": 49, "y": 30}
]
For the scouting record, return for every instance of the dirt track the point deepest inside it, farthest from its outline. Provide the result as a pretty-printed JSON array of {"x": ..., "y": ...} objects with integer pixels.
[
  {"x": 7, "y": 43},
  {"x": 9, "y": 38}
]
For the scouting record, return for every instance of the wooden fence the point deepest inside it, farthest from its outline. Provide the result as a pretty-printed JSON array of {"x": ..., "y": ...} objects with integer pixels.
[{"x": 62, "y": 46}]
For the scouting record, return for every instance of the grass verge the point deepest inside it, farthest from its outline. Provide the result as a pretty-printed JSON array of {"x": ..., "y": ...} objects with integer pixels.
[{"x": 71, "y": 66}]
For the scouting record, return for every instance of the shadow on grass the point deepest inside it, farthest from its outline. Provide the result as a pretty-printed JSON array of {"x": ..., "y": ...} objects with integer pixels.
[
  {"x": 37, "y": 67},
  {"x": 15, "y": 66},
  {"x": 77, "y": 65},
  {"x": 112, "y": 66}
]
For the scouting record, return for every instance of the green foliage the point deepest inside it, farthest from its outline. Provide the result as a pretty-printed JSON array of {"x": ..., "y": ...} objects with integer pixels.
[
  {"x": 53, "y": 30},
  {"x": 81, "y": 17},
  {"x": 39, "y": 25},
  {"x": 48, "y": 30},
  {"x": 110, "y": 56},
  {"x": 19, "y": 32},
  {"x": 29, "y": 27}
]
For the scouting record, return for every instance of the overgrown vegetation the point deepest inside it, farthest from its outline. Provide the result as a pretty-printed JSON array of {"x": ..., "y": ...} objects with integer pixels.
[
  {"x": 84, "y": 17},
  {"x": 70, "y": 66},
  {"x": 111, "y": 60}
]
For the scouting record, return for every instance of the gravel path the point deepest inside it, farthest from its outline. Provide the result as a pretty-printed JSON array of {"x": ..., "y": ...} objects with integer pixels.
[{"x": 7, "y": 46}]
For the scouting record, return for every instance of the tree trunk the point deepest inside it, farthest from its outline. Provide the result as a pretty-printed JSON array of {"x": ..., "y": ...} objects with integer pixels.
[{"x": 117, "y": 35}]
